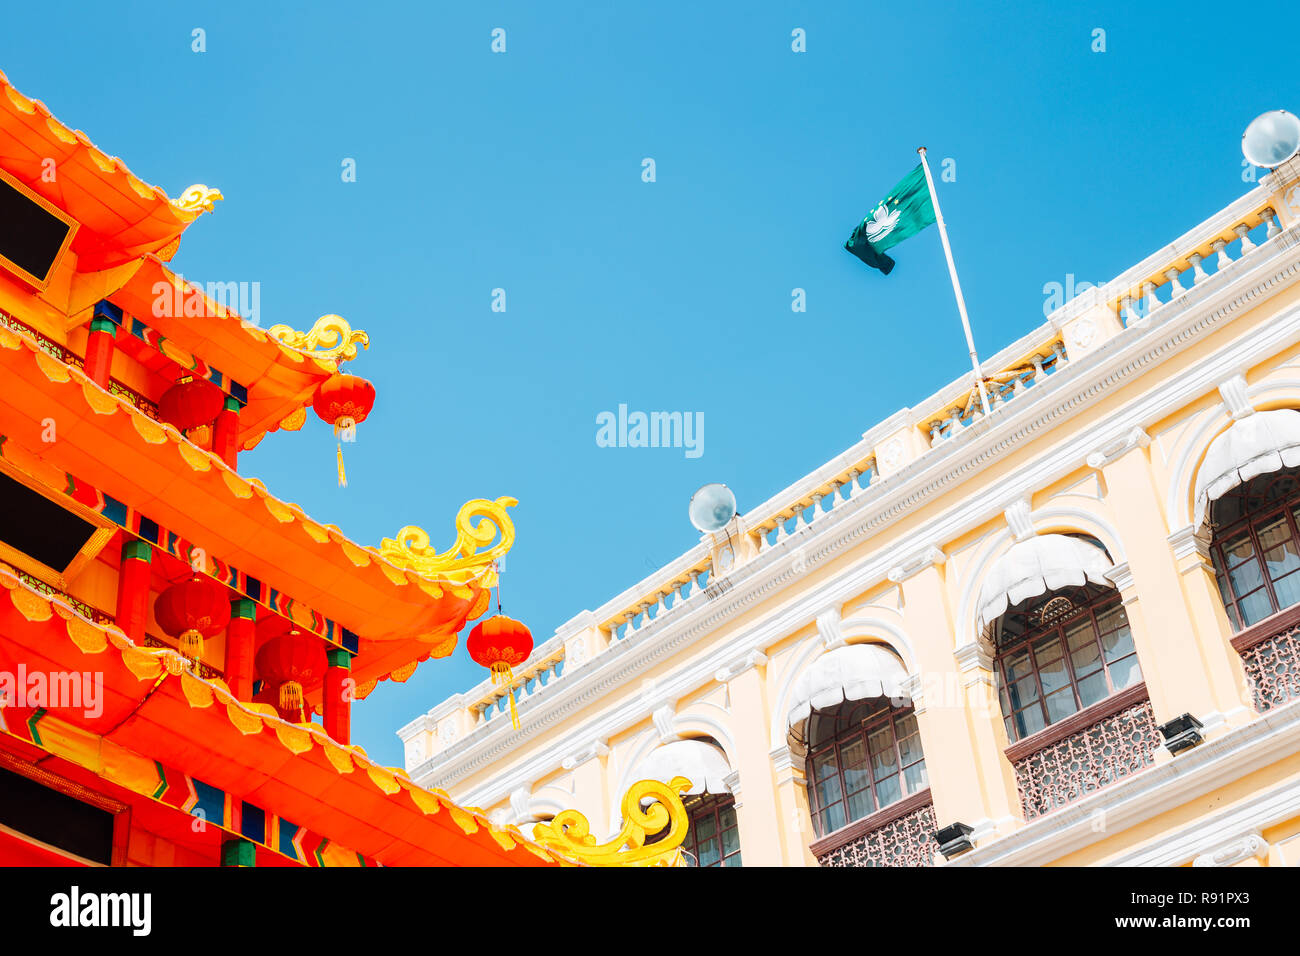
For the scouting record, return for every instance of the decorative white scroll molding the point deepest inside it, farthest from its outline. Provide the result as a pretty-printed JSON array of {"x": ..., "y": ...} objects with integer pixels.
[
  {"x": 1235, "y": 399},
  {"x": 665, "y": 721},
  {"x": 520, "y": 797},
  {"x": 597, "y": 748},
  {"x": 925, "y": 558},
  {"x": 1188, "y": 541},
  {"x": 732, "y": 781},
  {"x": 729, "y": 672},
  {"x": 1121, "y": 575},
  {"x": 912, "y": 687},
  {"x": 1243, "y": 847},
  {"x": 828, "y": 626},
  {"x": 975, "y": 655},
  {"x": 786, "y": 762},
  {"x": 1117, "y": 447},
  {"x": 1019, "y": 520}
]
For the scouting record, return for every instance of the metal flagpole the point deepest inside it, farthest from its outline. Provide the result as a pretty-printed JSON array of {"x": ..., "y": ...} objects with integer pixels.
[{"x": 956, "y": 285}]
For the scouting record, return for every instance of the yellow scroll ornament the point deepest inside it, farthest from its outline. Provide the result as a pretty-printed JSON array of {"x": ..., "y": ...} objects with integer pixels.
[
  {"x": 570, "y": 833},
  {"x": 198, "y": 198},
  {"x": 330, "y": 338},
  {"x": 411, "y": 550}
]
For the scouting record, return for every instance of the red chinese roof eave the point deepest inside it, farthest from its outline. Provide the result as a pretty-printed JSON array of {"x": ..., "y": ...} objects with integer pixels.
[
  {"x": 186, "y": 723},
  {"x": 248, "y": 529}
]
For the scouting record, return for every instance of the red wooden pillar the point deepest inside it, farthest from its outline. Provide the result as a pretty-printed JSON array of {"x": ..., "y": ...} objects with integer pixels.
[
  {"x": 133, "y": 589},
  {"x": 337, "y": 695},
  {"x": 100, "y": 346},
  {"x": 224, "y": 442},
  {"x": 240, "y": 641}
]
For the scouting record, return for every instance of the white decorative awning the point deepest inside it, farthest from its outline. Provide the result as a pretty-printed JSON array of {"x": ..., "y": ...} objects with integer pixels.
[
  {"x": 703, "y": 764},
  {"x": 1253, "y": 446},
  {"x": 1037, "y": 565},
  {"x": 854, "y": 672}
]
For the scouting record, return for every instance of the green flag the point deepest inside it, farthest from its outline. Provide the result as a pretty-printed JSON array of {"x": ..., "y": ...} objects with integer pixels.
[{"x": 902, "y": 214}]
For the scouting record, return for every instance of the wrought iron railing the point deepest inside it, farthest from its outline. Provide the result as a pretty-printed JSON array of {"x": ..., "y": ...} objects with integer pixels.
[
  {"x": 1270, "y": 654},
  {"x": 1104, "y": 743},
  {"x": 902, "y": 835}
]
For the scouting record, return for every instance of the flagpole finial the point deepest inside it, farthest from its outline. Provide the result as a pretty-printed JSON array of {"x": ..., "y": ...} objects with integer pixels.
[{"x": 921, "y": 150}]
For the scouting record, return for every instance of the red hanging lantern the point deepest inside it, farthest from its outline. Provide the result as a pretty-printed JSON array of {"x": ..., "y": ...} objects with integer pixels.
[
  {"x": 190, "y": 403},
  {"x": 344, "y": 401},
  {"x": 501, "y": 644},
  {"x": 290, "y": 657},
  {"x": 191, "y": 610}
]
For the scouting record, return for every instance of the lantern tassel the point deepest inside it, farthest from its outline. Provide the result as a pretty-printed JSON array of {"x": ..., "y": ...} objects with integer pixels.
[
  {"x": 291, "y": 696},
  {"x": 502, "y": 674},
  {"x": 343, "y": 475},
  {"x": 192, "y": 645}
]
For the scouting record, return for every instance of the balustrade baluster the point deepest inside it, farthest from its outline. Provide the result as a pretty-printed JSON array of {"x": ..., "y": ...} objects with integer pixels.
[
  {"x": 1175, "y": 287},
  {"x": 1243, "y": 233},
  {"x": 1149, "y": 301},
  {"x": 854, "y": 487},
  {"x": 1127, "y": 312},
  {"x": 1270, "y": 217},
  {"x": 1198, "y": 273},
  {"x": 1221, "y": 247}
]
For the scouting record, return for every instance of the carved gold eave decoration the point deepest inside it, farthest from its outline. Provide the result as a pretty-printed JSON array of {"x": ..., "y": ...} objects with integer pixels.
[
  {"x": 410, "y": 550},
  {"x": 197, "y": 199},
  {"x": 330, "y": 338},
  {"x": 570, "y": 833},
  {"x": 402, "y": 567}
]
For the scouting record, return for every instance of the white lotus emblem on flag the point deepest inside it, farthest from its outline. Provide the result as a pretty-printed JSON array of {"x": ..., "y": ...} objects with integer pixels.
[{"x": 881, "y": 223}]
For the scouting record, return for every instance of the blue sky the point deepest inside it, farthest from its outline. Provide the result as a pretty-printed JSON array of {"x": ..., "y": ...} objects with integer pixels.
[{"x": 523, "y": 171}]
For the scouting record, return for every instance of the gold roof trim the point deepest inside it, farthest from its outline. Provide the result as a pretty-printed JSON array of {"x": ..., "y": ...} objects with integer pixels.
[{"x": 330, "y": 338}]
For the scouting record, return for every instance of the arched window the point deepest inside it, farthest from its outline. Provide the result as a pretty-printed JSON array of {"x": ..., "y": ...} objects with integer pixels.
[
  {"x": 1255, "y": 546},
  {"x": 714, "y": 837},
  {"x": 862, "y": 756},
  {"x": 1060, "y": 652}
]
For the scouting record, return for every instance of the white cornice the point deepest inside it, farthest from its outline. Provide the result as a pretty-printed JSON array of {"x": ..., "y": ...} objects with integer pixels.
[{"x": 1059, "y": 398}]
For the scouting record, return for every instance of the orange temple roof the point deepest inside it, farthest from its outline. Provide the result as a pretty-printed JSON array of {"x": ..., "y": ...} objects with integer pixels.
[{"x": 123, "y": 217}]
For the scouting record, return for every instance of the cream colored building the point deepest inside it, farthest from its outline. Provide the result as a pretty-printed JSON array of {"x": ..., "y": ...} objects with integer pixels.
[{"x": 981, "y": 625}]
